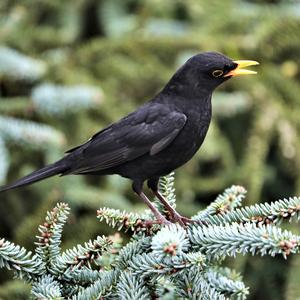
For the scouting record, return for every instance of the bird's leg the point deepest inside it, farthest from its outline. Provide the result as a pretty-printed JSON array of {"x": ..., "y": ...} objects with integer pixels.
[
  {"x": 138, "y": 189},
  {"x": 174, "y": 215}
]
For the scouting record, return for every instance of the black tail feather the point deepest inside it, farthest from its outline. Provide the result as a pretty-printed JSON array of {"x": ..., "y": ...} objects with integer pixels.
[{"x": 48, "y": 171}]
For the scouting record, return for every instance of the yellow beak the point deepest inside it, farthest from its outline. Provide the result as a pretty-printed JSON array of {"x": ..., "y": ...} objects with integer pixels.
[{"x": 239, "y": 69}]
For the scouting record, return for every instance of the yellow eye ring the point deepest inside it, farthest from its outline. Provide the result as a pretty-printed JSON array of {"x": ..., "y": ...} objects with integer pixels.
[{"x": 217, "y": 73}]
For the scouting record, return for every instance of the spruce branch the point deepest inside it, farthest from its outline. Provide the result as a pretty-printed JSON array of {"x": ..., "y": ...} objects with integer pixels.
[
  {"x": 130, "y": 287},
  {"x": 85, "y": 255},
  {"x": 30, "y": 134},
  {"x": 148, "y": 264},
  {"x": 167, "y": 189},
  {"x": 132, "y": 249},
  {"x": 17, "y": 66},
  {"x": 116, "y": 218},
  {"x": 165, "y": 262},
  {"x": 262, "y": 213},
  {"x": 17, "y": 258},
  {"x": 58, "y": 100},
  {"x": 46, "y": 288},
  {"x": 165, "y": 288},
  {"x": 193, "y": 285},
  {"x": 99, "y": 288},
  {"x": 80, "y": 277},
  {"x": 170, "y": 241},
  {"x": 49, "y": 240},
  {"x": 226, "y": 202},
  {"x": 235, "y": 238},
  {"x": 227, "y": 282},
  {"x": 108, "y": 258}
]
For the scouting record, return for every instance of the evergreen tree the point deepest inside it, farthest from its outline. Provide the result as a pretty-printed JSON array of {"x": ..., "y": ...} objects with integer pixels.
[
  {"x": 68, "y": 68},
  {"x": 169, "y": 262}
]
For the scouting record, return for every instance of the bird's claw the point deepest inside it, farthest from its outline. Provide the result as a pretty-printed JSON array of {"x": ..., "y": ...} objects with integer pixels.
[
  {"x": 184, "y": 221},
  {"x": 160, "y": 221},
  {"x": 176, "y": 218}
]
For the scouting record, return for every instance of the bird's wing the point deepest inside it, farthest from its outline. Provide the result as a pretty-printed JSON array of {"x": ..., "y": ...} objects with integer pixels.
[{"x": 148, "y": 130}]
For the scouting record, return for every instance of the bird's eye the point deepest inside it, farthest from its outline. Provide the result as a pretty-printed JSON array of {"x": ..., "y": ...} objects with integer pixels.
[{"x": 217, "y": 73}]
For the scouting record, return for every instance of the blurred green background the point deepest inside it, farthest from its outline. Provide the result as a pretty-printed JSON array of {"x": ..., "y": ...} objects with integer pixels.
[{"x": 68, "y": 68}]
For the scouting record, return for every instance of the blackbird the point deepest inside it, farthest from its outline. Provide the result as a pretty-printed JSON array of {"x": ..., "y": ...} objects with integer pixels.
[{"x": 158, "y": 137}]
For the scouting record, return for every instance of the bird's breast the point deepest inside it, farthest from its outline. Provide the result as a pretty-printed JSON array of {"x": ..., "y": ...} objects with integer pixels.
[
  {"x": 189, "y": 139},
  {"x": 194, "y": 133}
]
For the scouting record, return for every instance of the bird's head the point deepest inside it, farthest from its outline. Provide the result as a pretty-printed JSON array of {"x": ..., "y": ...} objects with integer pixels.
[{"x": 207, "y": 70}]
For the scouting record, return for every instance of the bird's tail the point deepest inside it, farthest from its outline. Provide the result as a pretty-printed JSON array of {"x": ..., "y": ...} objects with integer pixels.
[{"x": 48, "y": 171}]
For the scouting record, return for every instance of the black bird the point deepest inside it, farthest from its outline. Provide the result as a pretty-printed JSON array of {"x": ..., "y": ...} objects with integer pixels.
[{"x": 158, "y": 137}]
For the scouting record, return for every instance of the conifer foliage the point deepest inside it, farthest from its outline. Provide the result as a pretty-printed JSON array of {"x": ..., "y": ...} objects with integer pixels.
[
  {"x": 169, "y": 262},
  {"x": 69, "y": 68}
]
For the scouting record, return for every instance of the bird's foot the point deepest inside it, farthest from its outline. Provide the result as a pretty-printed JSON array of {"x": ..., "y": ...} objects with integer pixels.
[
  {"x": 183, "y": 221},
  {"x": 161, "y": 221},
  {"x": 174, "y": 216}
]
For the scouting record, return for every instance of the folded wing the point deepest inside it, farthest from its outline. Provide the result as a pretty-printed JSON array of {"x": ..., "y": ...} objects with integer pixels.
[{"x": 148, "y": 130}]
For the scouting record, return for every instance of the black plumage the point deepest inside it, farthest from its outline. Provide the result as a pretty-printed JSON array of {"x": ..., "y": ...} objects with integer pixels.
[{"x": 157, "y": 138}]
